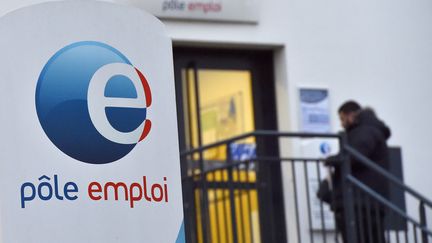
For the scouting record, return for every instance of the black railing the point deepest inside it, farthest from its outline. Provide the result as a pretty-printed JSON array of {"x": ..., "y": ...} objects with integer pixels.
[
  {"x": 226, "y": 198},
  {"x": 420, "y": 232}
]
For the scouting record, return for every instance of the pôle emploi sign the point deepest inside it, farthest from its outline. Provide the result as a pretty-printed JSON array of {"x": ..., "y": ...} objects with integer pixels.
[
  {"x": 208, "y": 10},
  {"x": 89, "y": 147}
]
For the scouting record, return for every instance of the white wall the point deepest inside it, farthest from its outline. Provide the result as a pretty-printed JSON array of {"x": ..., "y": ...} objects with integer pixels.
[{"x": 378, "y": 52}]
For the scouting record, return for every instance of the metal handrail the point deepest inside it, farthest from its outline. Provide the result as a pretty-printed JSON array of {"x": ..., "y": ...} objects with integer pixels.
[
  {"x": 369, "y": 163},
  {"x": 255, "y": 159},
  {"x": 386, "y": 202},
  {"x": 361, "y": 158},
  {"x": 349, "y": 182},
  {"x": 260, "y": 133}
]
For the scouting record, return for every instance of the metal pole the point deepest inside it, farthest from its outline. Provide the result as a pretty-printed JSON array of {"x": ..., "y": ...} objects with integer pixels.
[
  {"x": 423, "y": 223},
  {"x": 231, "y": 182},
  {"x": 347, "y": 192}
]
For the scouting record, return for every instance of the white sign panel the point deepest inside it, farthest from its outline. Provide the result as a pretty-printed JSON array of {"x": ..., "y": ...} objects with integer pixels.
[
  {"x": 218, "y": 10},
  {"x": 89, "y": 146},
  {"x": 315, "y": 118},
  {"x": 315, "y": 111}
]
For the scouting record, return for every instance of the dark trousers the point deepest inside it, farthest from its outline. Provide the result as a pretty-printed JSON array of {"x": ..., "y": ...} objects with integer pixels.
[{"x": 369, "y": 225}]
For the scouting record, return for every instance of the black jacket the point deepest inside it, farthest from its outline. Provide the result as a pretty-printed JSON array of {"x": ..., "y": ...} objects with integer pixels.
[{"x": 368, "y": 135}]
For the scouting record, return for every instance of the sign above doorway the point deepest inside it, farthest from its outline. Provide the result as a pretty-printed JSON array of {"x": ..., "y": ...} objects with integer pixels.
[{"x": 246, "y": 11}]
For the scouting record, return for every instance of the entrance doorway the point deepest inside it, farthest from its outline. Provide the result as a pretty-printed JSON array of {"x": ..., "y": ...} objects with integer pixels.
[{"x": 222, "y": 94}]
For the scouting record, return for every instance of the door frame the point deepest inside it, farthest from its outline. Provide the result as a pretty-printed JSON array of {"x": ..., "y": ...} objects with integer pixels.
[{"x": 260, "y": 63}]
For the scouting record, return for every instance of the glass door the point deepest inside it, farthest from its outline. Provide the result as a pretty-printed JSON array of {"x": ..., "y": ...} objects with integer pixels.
[
  {"x": 220, "y": 95},
  {"x": 225, "y": 111}
]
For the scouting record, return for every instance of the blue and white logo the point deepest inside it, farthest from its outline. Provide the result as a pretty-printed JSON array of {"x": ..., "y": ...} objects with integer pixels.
[
  {"x": 93, "y": 103},
  {"x": 325, "y": 148}
]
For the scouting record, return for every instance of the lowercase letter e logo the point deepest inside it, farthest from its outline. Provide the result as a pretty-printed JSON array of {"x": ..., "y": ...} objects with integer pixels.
[{"x": 92, "y": 102}]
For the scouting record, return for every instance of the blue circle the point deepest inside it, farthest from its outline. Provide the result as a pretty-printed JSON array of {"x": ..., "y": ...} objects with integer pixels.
[
  {"x": 325, "y": 148},
  {"x": 61, "y": 102}
]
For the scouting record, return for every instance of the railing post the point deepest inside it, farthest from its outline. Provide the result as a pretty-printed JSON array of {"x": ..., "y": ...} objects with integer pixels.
[
  {"x": 347, "y": 192},
  {"x": 231, "y": 187},
  {"x": 423, "y": 222}
]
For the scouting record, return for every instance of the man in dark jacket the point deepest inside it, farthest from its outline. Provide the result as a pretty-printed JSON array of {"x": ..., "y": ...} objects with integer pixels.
[{"x": 368, "y": 135}]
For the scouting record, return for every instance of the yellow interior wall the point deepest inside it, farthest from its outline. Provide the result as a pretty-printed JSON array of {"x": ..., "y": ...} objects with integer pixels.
[
  {"x": 216, "y": 84},
  {"x": 216, "y": 89}
]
